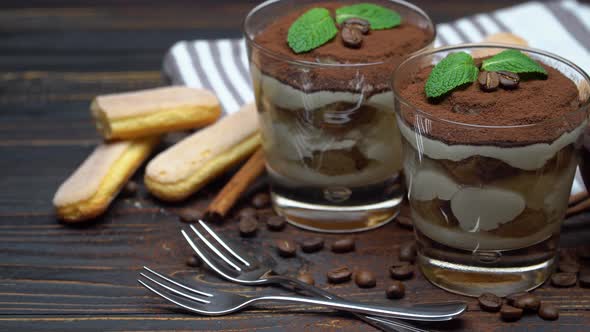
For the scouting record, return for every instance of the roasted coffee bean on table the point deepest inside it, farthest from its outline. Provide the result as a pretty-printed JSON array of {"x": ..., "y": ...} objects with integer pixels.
[
  {"x": 510, "y": 313},
  {"x": 405, "y": 222},
  {"x": 365, "y": 279},
  {"x": 508, "y": 80},
  {"x": 306, "y": 278},
  {"x": 571, "y": 267},
  {"x": 276, "y": 223},
  {"x": 193, "y": 261},
  {"x": 261, "y": 200},
  {"x": 248, "y": 226},
  {"x": 247, "y": 212},
  {"x": 527, "y": 302},
  {"x": 548, "y": 311},
  {"x": 511, "y": 298},
  {"x": 286, "y": 248},
  {"x": 351, "y": 37},
  {"x": 339, "y": 275},
  {"x": 190, "y": 215},
  {"x": 401, "y": 271},
  {"x": 343, "y": 245},
  {"x": 312, "y": 244},
  {"x": 130, "y": 189},
  {"x": 358, "y": 23},
  {"x": 490, "y": 302},
  {"x": 564, "y": 279},
  {"x": 488, "y": 81},
  {"x": 396, "y": 290},
  {"x": 407, "y": 251},
  {"x": 584, "y": 278}
]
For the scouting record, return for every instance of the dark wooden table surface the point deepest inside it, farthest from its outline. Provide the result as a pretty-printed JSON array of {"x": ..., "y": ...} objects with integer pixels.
[{"x": 55, "y": 56}]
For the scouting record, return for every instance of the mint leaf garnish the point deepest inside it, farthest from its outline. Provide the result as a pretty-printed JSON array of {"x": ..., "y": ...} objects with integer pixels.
[
  {"x": 379, "y": 17},
  {"x": 311, "y": 30},
  {"x": 451, "y": 72},
  {"x": 513, "y": 61}
]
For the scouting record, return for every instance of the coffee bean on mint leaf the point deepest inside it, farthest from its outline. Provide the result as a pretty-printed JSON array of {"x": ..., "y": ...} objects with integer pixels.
[
  {"x": 358, "y": 23},
  {"x": 351, "y": 37},
  {"x": 365, "y": 279},
  {"x": 248, "y": 226},
  {"x": 339, "y": 275},
  {"x": 490, "y": 302},
  {"x": 488, "y": 81},
  {"x": 508, "y": 80},
  {"x": 396, "y": 290}
]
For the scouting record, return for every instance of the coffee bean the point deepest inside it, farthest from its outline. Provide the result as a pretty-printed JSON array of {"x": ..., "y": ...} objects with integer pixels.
[
  {"x": 261, "y": 200},
  {"x": 508, "y": 80},
  {"x": 510, "y": 313},
  {"x": 306, "y": 278},
  {"x": 488, "y": 81},
  {"x": 343, "y": 245},
  {"x": 352, "y": 38},
  {"x": 286, "y": 248},
  {"x": 490, "y": 302},
  {"x": 563, "y": 279},
  {"x": 511, "y": 298},
  {"x": 584, "y": 278},
  {"x": 405, "y": 222},
  {"x": 248, "y": 226},
  {"x": 130, "y": 189},
  {"x": 358, "y": 23},
  {"x": 365, "y": 279},
  {"x": 407, "y": 251},
  {"x": 312, "y": 244},
  {"x": 190, "y": 215},
  {"x": 571, "y": 267},
  {"x": 401, "y": 272},
  {"x": 193, "y": 261},
  {"x": 548, "y": 311},
  {"x": 339, "y": 275},
  {"x": 527, "y": 302},
  {"x": 276, "y": 223},
  {"x": 396, "y": 290},
  {"x": 246, "y": 212}
]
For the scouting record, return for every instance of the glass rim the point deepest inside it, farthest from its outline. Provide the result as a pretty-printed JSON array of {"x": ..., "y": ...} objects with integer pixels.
[
  {"x": 398, "y": 96},
  {"x": 295, "y": 61}
]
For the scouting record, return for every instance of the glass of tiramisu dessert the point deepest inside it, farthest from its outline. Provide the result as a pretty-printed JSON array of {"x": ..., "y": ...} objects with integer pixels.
[
  {"x": 320, "y": 72},
  {"x": 490, "y": 138}
]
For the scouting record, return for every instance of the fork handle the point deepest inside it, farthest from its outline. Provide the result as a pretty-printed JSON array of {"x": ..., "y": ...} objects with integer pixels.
[{"x": 441, "y": 312}]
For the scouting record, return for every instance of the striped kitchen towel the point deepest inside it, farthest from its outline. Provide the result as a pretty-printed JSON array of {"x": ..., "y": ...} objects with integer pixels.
[{"x": 561, "y": 27}]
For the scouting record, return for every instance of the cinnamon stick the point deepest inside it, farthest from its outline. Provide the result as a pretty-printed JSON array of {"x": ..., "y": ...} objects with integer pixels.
[
  {"x": 230, "y": 193},
  {"x": 582, "y": 206},
  {"x": 577, "y": 198}
]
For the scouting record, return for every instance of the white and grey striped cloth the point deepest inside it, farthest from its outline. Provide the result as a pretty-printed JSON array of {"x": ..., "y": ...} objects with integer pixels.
[{"x": 561, "y": 27}]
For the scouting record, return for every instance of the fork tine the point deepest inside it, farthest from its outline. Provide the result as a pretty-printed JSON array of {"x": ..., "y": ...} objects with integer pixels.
[
  {"x": 161, "y": 276},
  {"x": 175, "y": 291},
  {"x": 214, "y": 249},
  {"x": 216, "y": 265},
  {"x": 222, "y": 243},
  {"x": 162, "y": 295}
]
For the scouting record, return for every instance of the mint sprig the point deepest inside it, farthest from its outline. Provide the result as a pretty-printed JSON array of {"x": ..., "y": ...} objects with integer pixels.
[
  {"x": 513, "y": 61},
  {"x": 379, "y": 17},
  {"x": 451, "y": 72},
  {"x": 311, "y": 30}
]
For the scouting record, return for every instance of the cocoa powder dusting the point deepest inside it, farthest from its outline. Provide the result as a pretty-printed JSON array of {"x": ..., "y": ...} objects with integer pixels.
[
  {"x": 533, "y": 102},
  {"x": 391, "y": 45}
]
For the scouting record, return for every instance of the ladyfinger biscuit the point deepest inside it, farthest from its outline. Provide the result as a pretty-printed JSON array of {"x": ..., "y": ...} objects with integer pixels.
[
  {"x": 187, "y": 166},
  {"x": 88, "y": 192},
  {"x": 144, "y": 113},
  {"x": 502, "y": 38}
]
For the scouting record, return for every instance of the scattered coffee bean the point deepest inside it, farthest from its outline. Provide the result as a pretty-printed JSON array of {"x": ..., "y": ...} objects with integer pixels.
[
  {"x": 407, "y": 252},
  {"x": 527, "y": 302},
  {"x": 402, "y": 272},
  {"x": 584, "y": 278},
  {"x": 248, "y": 226},
  {"x": 490, "y": 302},
  {"x": 312, "y": 244},
  {"x": 261, "y": 200},
  {"x": 571, "y": 267},
  {"x": 339, "y": 275},
  {"x": 508, "y": 80},
  {"x": 358, "y": 23},
  {"x": 190, "y": 215},
  {"x": 405, "y": 222},
  {"x": 488, "y": 81},
  {"x": 351, "y": 37},
  {"x": 510, "y": 313},
  {"x": 193, "y": 261},
  {"x": 511, "y": 298},
  {"x": 247, "y": 212},
  {"x": 306, "y": 278},
  {"x": 343, "y": 245},
  {"x": 276, "y": 223},
  {"x": 548, "y": 311},
  {"x": 365, "y": 279},
  {"x": 130, "y": 189},
  {"x": 396, "y": 290},
  {"x": 287, "y": 248},
  {"x": 563, "y": 279}
]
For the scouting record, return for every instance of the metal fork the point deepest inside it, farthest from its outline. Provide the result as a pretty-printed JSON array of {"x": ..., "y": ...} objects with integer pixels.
[
  {"x": 252, "y": 272},
  {"x": 218, "y": 303}
]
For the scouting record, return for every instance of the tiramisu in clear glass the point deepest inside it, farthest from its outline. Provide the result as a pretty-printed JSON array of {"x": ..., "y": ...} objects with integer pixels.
[
  {"x": 489, "y": 163},
  {"x": 330, "y": 137}
]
